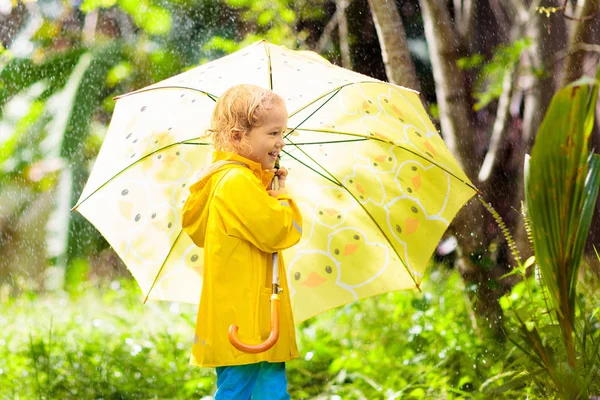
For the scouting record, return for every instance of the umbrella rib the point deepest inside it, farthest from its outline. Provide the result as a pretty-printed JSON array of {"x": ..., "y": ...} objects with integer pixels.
[
  {"x": 209, "y": 95},
  {"x": 336, "y": 181},
  {"x": 339, "y": 88},
  {"x": 131, "y": 165},
  {"x": 163, "y": 265},
  {"x": 332, "y": 142},
  {"x": 336, "y": 90},
  {"x": 369, "y": 138},
  {"x": 313, "y": 113},
  {"x": 311, "y": 168},
  {"x": 383, "y": 141},
  {"x": 269, "y": 65}
]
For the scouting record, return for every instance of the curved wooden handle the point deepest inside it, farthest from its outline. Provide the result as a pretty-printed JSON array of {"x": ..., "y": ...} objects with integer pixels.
[{"x": 267, "y": 344}]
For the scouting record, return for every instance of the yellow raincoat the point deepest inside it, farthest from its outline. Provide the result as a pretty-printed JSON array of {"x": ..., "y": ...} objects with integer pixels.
[{"x": 230, "y": 214}]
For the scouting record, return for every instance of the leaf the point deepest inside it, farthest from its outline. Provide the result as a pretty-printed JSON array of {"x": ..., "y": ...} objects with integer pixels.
[
  {"x": 559, "y": 190},
  {"x": 561, "y": 187},
  {"x": 76, "y": 104},
  {"x": 22, "y": 73}
]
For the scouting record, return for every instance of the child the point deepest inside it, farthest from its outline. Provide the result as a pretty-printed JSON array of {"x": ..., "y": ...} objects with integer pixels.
[{"x": 239, "y": 223}]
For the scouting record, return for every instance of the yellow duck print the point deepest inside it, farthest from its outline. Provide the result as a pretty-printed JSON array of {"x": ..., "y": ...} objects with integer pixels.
[
  {"x": 426, "y": 144},
  {"x": 329, "y": 206},
  {"x": 378, "y": 128},
  {"x": 381, "y": 159},
  {"x": 397, "y": 107},
  {"x": 187, "y": 270},
  {"x": 360, "y": 261},
  {"x": 409, "y": 223},
  {"x": 132, "y": 203},
  {"x": 429, "y": 186},
  {"x": 166, "y": 164},
  {"x": 365, "y": 185},
  {"x": 313, "y": 276},
  {"x": 137, "y": 213},
  {"x": 164, "y": 218},
  {"x": 353, "y": 100}
]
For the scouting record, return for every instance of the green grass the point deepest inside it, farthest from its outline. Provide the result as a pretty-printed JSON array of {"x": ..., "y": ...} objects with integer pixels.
[{"x": 105, "y": 344}]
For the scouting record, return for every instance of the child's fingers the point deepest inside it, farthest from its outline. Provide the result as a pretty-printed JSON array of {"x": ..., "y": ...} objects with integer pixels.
[
  {"x": 277, "y": 193},
  {"x": 282, "y": 173}
]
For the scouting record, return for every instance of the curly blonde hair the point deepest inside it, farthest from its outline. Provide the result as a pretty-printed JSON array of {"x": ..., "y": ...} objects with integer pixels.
[{"x": 239, "y": 109}]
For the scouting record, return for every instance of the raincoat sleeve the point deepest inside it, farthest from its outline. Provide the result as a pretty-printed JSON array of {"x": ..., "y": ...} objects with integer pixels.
[{"x": 248, "y": 212}]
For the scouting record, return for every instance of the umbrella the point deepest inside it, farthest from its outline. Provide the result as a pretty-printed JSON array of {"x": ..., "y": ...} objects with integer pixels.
[{"x": 376, "y": 185}]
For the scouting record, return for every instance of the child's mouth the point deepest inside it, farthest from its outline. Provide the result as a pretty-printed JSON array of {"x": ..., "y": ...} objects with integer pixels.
[{"x": 273, "y": 155}]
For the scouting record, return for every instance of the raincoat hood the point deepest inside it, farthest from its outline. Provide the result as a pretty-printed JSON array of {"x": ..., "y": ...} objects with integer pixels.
[{"x": 220, "y": 161}]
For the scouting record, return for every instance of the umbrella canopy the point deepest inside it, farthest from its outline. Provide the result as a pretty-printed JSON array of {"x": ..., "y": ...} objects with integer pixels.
[{"x": 375, "y": 182}]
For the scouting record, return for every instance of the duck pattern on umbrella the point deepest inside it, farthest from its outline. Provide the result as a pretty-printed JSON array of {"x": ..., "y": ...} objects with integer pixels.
[
  {"x": 371, "y": 219},
  {"x": 376, "y": 185}
]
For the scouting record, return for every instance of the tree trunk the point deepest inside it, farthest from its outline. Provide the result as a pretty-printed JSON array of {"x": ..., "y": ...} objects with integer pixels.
[
  {"x": 460, "y": 135},
  {"x": 451, "y": 93},
  {"x": 343, "y": 33},
  {"x": 579, "y": 33},
  {"x": 399, "y": 66},
  {"x": 546, "y": 33}
]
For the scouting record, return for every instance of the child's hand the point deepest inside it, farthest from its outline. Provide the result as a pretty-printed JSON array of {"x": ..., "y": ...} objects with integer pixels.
[{"x": 282, "y": 174}]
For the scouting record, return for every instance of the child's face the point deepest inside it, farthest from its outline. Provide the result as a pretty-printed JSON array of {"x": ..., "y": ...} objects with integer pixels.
[{"x": 266, "y": 141}]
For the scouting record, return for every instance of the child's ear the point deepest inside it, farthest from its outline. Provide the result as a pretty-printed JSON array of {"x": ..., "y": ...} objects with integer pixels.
[{"x": 237, "y": 135}]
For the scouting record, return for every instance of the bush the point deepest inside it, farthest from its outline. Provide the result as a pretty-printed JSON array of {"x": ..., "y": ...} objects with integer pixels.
[{"x": 105, "y": 344}]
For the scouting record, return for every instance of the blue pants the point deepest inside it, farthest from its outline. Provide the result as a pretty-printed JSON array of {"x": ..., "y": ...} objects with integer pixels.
[{"x": 260, "y": 381}]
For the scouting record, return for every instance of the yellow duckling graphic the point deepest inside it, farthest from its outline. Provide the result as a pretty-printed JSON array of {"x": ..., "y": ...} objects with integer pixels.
[
  {"x": 408, "y": 223},
  {"x": 428, "y": 185},
  {"x": 164, "y": 219},
  {"x": 381, "y": 158},
  {"x": 365, "y": 185},
  {"x": 327, "y": 205},
  {"x": 186, "y": 269},
  {"x": 330, "y": 216},
  {"x": 426, "y": 143},
  {"x": 137, "y": 213},
  {"x": 166, "y": 163},
  {"x": 314, "y": 278},
  {"x": 360, "y": 261},
  {"x": 132, "y": 202},
  {"x": 378, "y": 128},
  {"x": 353, "y": 100},
  {"x": 397, "y": 107}
]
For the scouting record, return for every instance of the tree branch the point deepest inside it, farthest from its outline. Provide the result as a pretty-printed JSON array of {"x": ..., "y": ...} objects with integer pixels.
[
  {"x": 327, "y": 31},
  {"x": 580, "y": 31},
  {"x": 343, "y": 33},
  {"x": 499, "y": 128},
  {"x": 464, "y": 12},
  {"x": 452, "y": 96}
]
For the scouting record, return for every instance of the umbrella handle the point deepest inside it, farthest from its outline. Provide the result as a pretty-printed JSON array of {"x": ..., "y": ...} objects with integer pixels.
[{"x": 273, "y": 335}]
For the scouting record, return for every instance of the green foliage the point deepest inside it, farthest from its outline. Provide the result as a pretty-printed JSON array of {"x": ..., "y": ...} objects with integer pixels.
[
  {"x": 402, "y": 345},
  {"x": 489, "y": 82},
  {"x": 153, "y": 19},
  {"x": 541, "y": 361},
  {"x": 106, "y": 345},
  {"x": 553, "y": 325},
  {"x": 18, "y": 74},
  {"x": 561, "y": 187}
]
